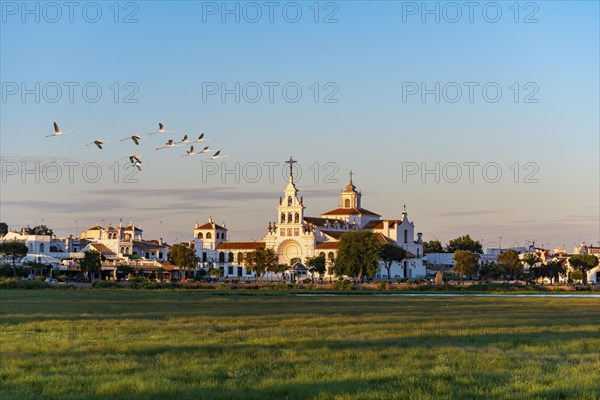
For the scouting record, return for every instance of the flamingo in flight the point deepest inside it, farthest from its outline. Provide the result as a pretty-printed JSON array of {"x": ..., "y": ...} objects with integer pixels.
[
  {"x": 217, "y": 155},
  {"x": 161, "y": 129},
  {"x": 190, "y": 153},
  {"x": 134, "y": 158},
  {"x": 57, "y": 131},
  {"x": 98, "y": 143},
  {"x": 135, "y": 137},
  {"x": 184, "y": 140},
  {"x": 169, "y": 144},
  {"x": 201, "y": 139}
]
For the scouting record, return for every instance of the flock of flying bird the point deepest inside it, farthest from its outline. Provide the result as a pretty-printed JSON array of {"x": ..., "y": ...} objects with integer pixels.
[{"x": 136, "y": 159}]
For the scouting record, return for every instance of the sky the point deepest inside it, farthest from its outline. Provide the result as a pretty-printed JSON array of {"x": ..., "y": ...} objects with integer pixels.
[{"x": 481, "y": 120}]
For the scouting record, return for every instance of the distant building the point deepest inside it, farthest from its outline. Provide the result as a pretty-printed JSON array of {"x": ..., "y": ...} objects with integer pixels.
[{"x": 296, "y": 236}]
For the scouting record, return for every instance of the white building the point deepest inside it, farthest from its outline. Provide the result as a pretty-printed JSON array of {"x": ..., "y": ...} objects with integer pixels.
[{"x": 296, "y": 236}]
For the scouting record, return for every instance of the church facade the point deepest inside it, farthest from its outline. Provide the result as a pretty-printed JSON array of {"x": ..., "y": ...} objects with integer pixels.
[{"x": 295, "y": 236}]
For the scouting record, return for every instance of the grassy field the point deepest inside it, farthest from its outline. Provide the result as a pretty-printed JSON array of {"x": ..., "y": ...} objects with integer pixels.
[{"x": 122, "y": 344}]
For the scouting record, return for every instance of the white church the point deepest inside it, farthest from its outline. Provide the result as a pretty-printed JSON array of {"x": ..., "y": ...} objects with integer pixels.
[{"x": 296, "y": 236}]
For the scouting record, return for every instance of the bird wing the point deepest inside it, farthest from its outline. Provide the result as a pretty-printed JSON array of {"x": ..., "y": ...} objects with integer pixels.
[
  {"x": 56, "y": 129},
  {"x": 160, "y": 126}
]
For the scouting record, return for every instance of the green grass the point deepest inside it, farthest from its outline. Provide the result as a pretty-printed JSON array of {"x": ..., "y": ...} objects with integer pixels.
[{"x": 123, "y": 344}]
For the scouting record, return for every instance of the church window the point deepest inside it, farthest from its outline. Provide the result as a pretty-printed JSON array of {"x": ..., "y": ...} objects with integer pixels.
[
  {"x": 283, "y": 218},
  {"x": 41, "y": 247},
  {"x": 122, "y": 250},
  {"x": 347, "y": 203},
  {"x": 406, "y": 236},
  {"x": 208, "y": 235},
  {"x": 204, "y": 257},
  {"x": 289, "y": 232},
  {"x": 296, "y": 231},
  {"x": 200, "y": 235},
  {"x": 282, "y": 232},
  {"x": 290, "y": 218},
  {"x": 330, "y": 256},
  {"x": 231, "y": 258},
  {"x": 321, "y": 254},
  {"x": 289, "y": 201},
  {"x": 221, "y": 257},
  {"x": 297, "y": 218},
  {"x": 230, "y": 271},
  {"x": 418, "y": 253}
]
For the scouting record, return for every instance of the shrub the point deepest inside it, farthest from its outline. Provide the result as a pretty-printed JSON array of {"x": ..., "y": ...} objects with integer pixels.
[
  {"x": 104, "y": 285},
  {"x": 383, "y": 285},
  {"x": 342, "y": 285},
  {"x": 307, "y": 280},
  {"x": 17, "y": 283}
]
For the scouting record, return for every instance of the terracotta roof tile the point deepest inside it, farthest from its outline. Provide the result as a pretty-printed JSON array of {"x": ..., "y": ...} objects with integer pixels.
[
  {"x": 240, "y": 245},
  {"x": 350, "y": 211},
  {"x": 211, "y": 225},
  {"x": 327, "y": 246}
]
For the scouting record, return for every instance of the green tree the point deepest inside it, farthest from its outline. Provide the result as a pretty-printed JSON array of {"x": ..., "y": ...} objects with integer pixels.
[
  {"x": 39, "y": 230},
  {"x": 491, "y": 271},
  {"x": 509, "y": 259},
  {"x": 391, "y": 253},
  {"x": 91, "y": 263},
  {"x": 433, "y": 246},
  {"x": 262, "y": 261},
  {"x": 583, "y": 263},
  {"x": 552, "y": 270},
  {"x": 13, "y": 250},
  {"x": 280, "y": 269},
  {"x": 464, "y": 243},
  {"x": 316, "y": 265},
  {"x": 465, "y": 263},
  {"x": 531, "y": 260},
  {"x": 183, "y": 257},
  {"x": 3, "y": 228},
  {"x": 576, "y": 275},
  {"x": 358, "y": 254}
]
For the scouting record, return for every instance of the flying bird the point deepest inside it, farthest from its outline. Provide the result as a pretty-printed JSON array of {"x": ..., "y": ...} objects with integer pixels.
[
  {"x": 201, "y": 139},
  {"x": 217, "y": 155},
  {"x": 184, "y": 140},
  {"x": 57, "y": 131},
  {"x": 98, "y": 143},
  {"x": 170, "y": 143},
  {"x": 136, "y": 138},
  {"x": 190, "y": 152},
  {"x": 161, "y": 129},
  {"x": 134, "y": 158}
]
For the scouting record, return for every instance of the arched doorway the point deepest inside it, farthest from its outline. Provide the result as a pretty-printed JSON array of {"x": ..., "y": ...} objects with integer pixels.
[{"x": 288, "y": 251}]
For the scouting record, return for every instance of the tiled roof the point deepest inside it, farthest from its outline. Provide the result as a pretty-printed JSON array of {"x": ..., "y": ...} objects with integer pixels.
[
  {"x": 321, "y": 221},
  {"x": 327, "y": 246},
  {"x": 102, "y": 249},
  {"x": 95, "y": 228},
  {"x": 350, "y": 211},
  {"x": 141, "y": 244},
  {"x": 132, "y": 228},
  {"x": 334, "y": 234},
  {"x": 211, "y": 225},
  {"x": 384, "y": 239},
  {"x": 240, "y": 245}
]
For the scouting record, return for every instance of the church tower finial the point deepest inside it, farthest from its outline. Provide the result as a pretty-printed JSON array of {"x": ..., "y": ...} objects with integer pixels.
[{"x": 291, "y": 162}]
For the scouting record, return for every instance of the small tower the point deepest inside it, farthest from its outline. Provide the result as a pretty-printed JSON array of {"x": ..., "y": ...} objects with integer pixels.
[
  {"x": 350, "y": 198},
  {"x": 290, "y": 212}
]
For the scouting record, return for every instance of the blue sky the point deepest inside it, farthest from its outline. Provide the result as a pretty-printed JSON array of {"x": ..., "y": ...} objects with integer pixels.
[{"x": 367, "y": 58}]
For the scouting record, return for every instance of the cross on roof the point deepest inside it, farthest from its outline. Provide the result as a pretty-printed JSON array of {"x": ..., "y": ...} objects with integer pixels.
[{"x": 291, "y": 162}]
